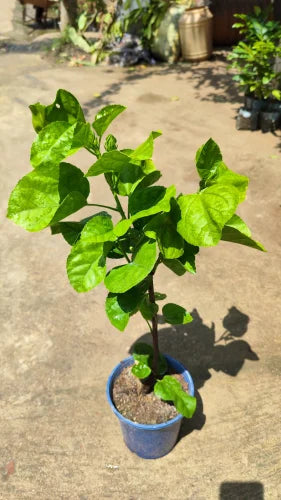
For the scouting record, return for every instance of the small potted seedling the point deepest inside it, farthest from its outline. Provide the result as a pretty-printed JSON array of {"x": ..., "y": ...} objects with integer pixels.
[
  {"x": 155, "y": 227},
  {"x": 254, "y": 62}
]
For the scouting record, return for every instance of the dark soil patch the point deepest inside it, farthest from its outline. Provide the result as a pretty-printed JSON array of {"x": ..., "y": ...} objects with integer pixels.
[{"x": 133, "y": 403}]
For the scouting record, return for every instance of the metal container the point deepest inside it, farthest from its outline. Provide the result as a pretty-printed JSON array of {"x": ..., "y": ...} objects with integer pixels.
[{"x": 195, "y": 28}]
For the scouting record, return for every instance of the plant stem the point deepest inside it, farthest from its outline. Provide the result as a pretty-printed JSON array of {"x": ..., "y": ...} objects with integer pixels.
[
  {"x": 123, "y": 252},
  {"x": 119, "y": 206},
  {"x": 103, "y": 206},
  {"x": 154, "y": 330}
]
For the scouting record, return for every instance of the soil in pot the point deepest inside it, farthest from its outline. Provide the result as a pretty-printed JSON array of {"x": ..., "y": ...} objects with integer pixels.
[{"x": 136, "y": 405}]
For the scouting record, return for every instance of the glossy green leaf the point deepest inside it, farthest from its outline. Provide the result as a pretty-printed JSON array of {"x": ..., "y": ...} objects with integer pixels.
[
  {"x": 83, "y": 137},
  {"x": 162, "y": 228},
  {"x": 148, "y": 310},
  {"x": 142, "y": 349},
  {"x": 122, "y": 278},
  {"x": 120, "y": 306},
  {"x": 145, "y": 150},
  {"x": 110, "y": 143},
  {"x": 170, "y": 389},
  {"x": 113, "y": 161},
  {"x": 86, "y": 265},
  {"x": 207, "y": 158},
  {"x": 143, "y": 355},
  {"x": 70, "y": 230},
  {"x": 150, "y": 201},
  {"x": 57, "y": 141},
  {"x": 148, "y": 166},
  {"x": 185, "y": 262},
  {"x": 128, "y": 178},
  {"x": 204, "y": 214},
  {"x": 188, "y": 258},
  {"x": 149, "y": 179},
  {"x": 105, "y": 116},
  {"x": 115, "y": 313},
  {"x": 47, "y": 195},
  {"x": 213, "y": 170},
  {"x": 65, "y": 108},
  {"x": 175, "y": 265},
  {"x": 141, "y": 370},
  {"x": 176, "y": 315},
  {"x": 226, "y": 177},
  {"x": 236, "y": 231},
  {"x": 99, "y": 229},
  {"x": 38, "y": 116}
]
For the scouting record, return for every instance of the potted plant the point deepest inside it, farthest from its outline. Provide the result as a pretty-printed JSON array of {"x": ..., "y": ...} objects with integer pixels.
[
  {"x": 154, "y": 227},
  {"x": 157, "y": 24},
  {"x": 254, "y": 60}
]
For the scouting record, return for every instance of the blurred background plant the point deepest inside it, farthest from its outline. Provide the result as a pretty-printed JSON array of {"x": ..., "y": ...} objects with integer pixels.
[{"x": 254, "y": 58}]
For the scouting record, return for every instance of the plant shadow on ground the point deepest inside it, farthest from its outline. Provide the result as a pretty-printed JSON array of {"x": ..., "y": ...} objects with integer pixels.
[
  {"x": 239, "y": 490},
  {"x": 196, "y": 347},
  {"x": 211, "y": 80}
]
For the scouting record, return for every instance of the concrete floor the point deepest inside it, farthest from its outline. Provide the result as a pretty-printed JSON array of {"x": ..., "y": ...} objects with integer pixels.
[{"x": 56, "y": 429}]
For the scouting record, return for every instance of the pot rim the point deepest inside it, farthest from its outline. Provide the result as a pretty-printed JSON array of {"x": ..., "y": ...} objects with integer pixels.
[{"x": 150, "y": 427}]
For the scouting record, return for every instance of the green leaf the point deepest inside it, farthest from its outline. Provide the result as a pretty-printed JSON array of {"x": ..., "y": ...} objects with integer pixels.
[
  {"x": 122, "y": 278},
  {"x": 150, "y": 201},
  {"x": 277, "y": 94},
  {"x": 143, "y": 355},
  {"x": 170, "y": 389},
  {"x": 110, "y": 143},
  {"x": 65, "y": 108},
  {"x": 113, "y": 161},
  {"x": 188, "y": 257},
  {"x": 128, "y": 178},
  {"x": 204, "y": 214},
  {"x": 207, "y": 158},
  {"x": 227, "y": 177},
  {"x": 57, "y": 141},
  {"x": 82, "y": 21},
  {"x": 78, "y": 40},
  {"x": 149, "y": 179},
  {"x": 148, "y": 309},
  {"x": 141, "y": 370},
  {"x": 175, "y": 265},
  {"x": 176, "y": 315},
  {"x": 115, "y": 313},
  {"x": 162, "y": 228},
  {"x": 120, "y": 306},
  {"x": 47, "y": 195},
  {"x": 99, "y": 229},
  {"x": 70, "y": 230},
  {"x": 145, "y": 150},
  {"x": 105, "y": 116},
  {"x": 86, "y": 265},
  {"x": 160, "y": 296},
  {"x": 212, "y": 170},
  {"x": 237, "y": 231},
  {"x": 38, "y": 116}
]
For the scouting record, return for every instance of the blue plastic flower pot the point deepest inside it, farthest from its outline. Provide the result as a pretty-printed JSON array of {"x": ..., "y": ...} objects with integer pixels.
[{"x": 155, "y": 440}]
